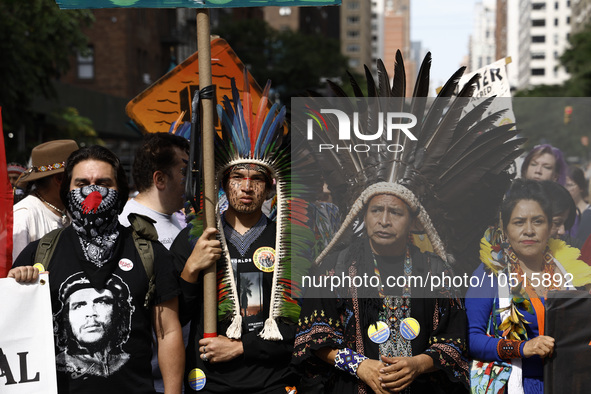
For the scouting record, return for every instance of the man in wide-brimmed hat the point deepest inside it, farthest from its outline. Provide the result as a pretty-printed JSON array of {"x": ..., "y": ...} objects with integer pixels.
[{"x": 43, "y": 210}]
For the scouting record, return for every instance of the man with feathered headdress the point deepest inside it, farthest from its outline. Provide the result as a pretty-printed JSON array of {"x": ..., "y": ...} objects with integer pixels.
[
  {"x": 256, "y": 315},
  {"x": 373, "y": 311}
]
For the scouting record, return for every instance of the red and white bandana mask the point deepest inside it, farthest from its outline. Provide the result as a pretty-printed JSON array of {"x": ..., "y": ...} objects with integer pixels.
[{"x": 95, "y": 212}]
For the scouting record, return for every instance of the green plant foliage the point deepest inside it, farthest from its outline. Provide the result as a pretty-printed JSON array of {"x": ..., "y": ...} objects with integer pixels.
[
  {"x": 69, "y": 124},
  {"x": 577, "y": 60},
  {"x": 543, "y": 120},
  {"x": 295, "y": 62},
  {"x": 37, "y": 41}
]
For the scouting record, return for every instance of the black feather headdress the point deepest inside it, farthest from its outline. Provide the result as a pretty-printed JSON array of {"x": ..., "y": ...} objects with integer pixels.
[{"x": 453, "y": 173}]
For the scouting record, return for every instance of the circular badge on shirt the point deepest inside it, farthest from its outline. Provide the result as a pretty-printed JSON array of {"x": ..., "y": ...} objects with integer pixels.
[
  {"x": 379, "y": 332},
  {"x": 39, "y": 267},
  {"x": 197, "y": 379},
  {"x": 125, "y": 264},
  {"x": 410, "y": 328},
  {"x": 264, "y": 259}
]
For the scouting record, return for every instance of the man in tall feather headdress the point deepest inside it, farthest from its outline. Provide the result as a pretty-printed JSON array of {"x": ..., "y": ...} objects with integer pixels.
[
  {"x": 256, "y": 314},
  {"x": 393, "y": 331}
]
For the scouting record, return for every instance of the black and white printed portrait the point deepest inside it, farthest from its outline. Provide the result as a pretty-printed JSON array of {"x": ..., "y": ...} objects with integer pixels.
[{"x": 92, "y": 326}]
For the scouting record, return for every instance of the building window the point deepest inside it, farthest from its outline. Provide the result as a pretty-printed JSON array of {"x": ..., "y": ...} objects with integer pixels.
[
  {"x": 538, "y": 22},
  {"x": 556, "y": 5},
  {"x": 352, "y": 33},
  {"x": 354, "y": 63},
  {"x": 556, "y": 56},
  {"x": 353, "y": 19},
  {"x": 353, "y": 5},
  {"x": 85, "y": 64},
  {"x": 555, "y": 21},
  {"x": 538, "y": 6},
  {"x": 538, "y": 56},
  {"x": 568, "y": 20},
  {"x": 538, "y": 72},
  {"x": 284, "y": 11},
  {"x": 538, "y": 39},
  {"x": 353, "y": 48},
  {"x": 568, "y": 3}
]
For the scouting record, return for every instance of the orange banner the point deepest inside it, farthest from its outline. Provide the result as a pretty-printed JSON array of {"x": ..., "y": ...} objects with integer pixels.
[{"x": 157, "y": 107}]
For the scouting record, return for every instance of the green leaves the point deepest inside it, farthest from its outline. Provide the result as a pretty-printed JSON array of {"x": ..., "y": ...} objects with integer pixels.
[
  {"x": 292, "y": 60},
  {"x": 37, "y": 41}
]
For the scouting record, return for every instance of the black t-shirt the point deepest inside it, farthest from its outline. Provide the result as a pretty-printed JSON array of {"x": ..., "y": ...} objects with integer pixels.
[
  {"x": 264, "y": 366},
  {"x": 103, "y": 332}
]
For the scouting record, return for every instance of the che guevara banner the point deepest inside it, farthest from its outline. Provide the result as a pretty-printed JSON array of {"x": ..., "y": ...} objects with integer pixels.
[
  {"x": 190, "y": 3},
  {"x": 27, "y": 355}
]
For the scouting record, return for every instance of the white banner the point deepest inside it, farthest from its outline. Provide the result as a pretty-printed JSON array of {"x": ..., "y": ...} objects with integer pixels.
[
  {"x": 27, "y": 355},
  {"x": 493, "y": 82}
]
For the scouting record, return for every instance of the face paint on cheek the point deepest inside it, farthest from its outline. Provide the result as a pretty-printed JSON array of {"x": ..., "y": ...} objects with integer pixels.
[
  {"x": 258, "y": 187},
  {"x": 235, "y": 185},
  {"x": 233, "y": 199}
]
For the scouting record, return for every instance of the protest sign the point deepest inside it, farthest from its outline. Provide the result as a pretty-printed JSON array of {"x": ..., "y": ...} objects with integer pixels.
[
  {"x": 27, "y": 354},
  {"x": 157, "y": 107},
  {"x": 493, "y": 81}
]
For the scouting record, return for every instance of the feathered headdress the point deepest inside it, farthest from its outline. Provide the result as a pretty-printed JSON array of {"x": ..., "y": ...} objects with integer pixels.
[
  {"x": 262, "y": 140},
  {"x": 454, "y": 174}
]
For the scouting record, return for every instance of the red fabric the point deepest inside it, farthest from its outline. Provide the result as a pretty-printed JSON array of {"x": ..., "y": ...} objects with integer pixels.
[
  {"x": 6, "y": 199},
  {"x": 92, "y": 202},
  {"x": 586, "y": 251}
]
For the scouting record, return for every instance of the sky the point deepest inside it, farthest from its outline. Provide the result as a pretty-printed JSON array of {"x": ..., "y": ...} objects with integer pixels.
[{"x": 444, "y": 28}]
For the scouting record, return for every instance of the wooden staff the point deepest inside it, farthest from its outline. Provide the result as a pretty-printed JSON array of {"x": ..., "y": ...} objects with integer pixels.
[{"x": 207, "y": 145}]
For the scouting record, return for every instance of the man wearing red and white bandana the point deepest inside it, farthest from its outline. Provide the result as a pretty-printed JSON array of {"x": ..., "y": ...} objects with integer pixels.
[{"x": 102, "y": 318}]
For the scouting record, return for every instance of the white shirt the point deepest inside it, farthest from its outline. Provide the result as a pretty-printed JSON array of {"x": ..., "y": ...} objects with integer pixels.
[
  {"x": 167, "y": 226},
  {"x": 32, "y": 219}
]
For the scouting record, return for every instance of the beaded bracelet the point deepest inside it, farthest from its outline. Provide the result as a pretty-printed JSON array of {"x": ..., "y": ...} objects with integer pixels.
[
  {"x": 348, "y": 360},
  {"x": 509, "y": 348}
]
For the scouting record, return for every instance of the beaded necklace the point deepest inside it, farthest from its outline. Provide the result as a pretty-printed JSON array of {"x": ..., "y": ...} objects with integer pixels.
[
  {"x": 548, "y": 270},
  {"x": 64, "y": 217},
  {"x": 394, "y": 310}
]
